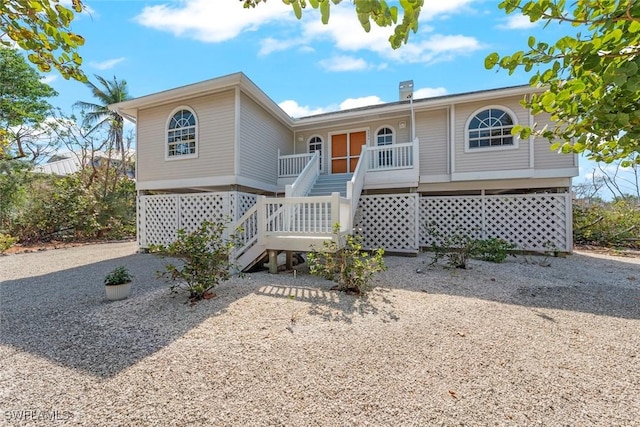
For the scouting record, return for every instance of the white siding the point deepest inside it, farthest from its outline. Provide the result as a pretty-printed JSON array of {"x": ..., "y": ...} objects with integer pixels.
[
  {"x": 490, "y": 159},
  {"x": 400, "y": 135},
  {"x": 544, "y": 157},
  {"x": 431, "y": 130},
  {"x": 215, "y": 115},
  {"x": 261, "y": 135}
]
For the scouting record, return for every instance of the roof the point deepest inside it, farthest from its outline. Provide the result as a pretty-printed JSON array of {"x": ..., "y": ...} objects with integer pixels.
[{"x": 129, "y": 109}]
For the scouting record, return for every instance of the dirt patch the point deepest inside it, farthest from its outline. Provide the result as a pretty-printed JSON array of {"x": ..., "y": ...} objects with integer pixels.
[{"x": 55, "y": 244}]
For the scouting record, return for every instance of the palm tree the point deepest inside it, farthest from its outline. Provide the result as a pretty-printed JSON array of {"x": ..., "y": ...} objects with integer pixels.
[{"x": 98, "y": 114}]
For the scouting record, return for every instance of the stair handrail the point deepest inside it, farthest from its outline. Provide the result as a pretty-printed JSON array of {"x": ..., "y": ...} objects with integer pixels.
[
  {"x": 307, "y": 178},
  {"x": 356, "y": 184},
  {"x": 247, "y": 230}
]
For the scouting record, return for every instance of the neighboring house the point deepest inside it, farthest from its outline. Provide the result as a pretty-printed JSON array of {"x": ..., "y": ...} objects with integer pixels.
[
  {"x": 69, "y": 162},
  {"x": 394, "y": 171}
]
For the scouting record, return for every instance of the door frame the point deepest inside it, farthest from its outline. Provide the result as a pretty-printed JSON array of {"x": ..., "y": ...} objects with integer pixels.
[{"x": 366, "y": 130}]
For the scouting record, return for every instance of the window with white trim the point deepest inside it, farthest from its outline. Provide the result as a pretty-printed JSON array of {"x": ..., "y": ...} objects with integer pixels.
[
  {"x": 315, "y": 144},
  {"x": 491, "y": 128},
  {"x": 384, "y": 137},
  {"x": 181, "y": 134}
]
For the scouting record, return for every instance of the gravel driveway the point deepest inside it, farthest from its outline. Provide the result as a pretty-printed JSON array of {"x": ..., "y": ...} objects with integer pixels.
[{"x": 512, "y": 344}]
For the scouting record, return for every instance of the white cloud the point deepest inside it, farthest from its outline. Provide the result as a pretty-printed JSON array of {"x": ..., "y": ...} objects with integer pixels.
[
  {"x": 364, "y": 101},
  {"x": 429, "y": 92},
  {"x": 49, "y": 78},
  {"x": 345, "y": 32},
  {"x": 107, "y": 64},
  {"x": 293, "y": 109},
  {"x": 443, "y": 9},
  {"x": 211, "y": 21},
  {"x": 516, "y": 22},
  {"x": 344, "y": 63},
  {"x": 270, "y": 45},
  {"x": 437, "y": 48}
]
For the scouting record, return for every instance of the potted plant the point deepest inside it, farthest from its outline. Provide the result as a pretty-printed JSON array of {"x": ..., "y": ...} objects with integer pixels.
[{"x": 118, "y": 284}]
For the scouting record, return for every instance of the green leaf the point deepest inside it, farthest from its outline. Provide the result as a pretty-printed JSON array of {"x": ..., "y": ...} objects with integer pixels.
[{"x": 491, "y": 60}]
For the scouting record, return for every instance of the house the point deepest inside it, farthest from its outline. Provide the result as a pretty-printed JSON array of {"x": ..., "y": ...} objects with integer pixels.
[
  {"x": 70, "y": 162},
  {"x": 393, "y": 171}
]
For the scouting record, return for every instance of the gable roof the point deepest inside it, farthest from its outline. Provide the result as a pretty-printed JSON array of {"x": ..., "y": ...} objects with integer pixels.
[{"x": 129, "y": 109}]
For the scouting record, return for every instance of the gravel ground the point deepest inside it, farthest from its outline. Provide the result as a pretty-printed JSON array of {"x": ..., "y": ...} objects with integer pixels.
[{"x": 512, "y": 344}]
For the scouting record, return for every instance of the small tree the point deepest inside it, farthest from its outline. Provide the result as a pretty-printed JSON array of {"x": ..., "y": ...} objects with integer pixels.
[
  {"x": 347, "y": 264},
  {"x": 205, "y": 256}
]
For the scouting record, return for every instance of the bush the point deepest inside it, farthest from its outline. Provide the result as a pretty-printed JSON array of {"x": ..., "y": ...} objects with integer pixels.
[
  {"x": 348, "y": 265},
  {"x": 615, "y": 223},
  {"x": 118, "y": 276},
  {"x": 6, "y": 242},
  {"x": 458, "y": 246},
  {"x": 493, "y": 249},
  {"x": 205, "y": 260}
]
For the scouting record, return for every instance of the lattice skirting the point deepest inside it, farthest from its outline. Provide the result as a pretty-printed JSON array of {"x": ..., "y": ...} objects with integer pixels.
[
  {"x": 388, "y": 221},
  {"x": 160, "y": 216},
  {"x": 534, "y": 222},
  {"x": 405, "y": 222}
]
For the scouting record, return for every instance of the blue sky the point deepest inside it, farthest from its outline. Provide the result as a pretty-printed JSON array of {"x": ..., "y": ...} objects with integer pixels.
[{"x": 304, "y": 66}]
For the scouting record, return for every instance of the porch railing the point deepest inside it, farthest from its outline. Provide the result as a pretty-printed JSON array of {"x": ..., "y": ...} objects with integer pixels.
[
  {"x": 307, "y": 178},
  {"x": 292, "y": 164},
  {"x": 395, "y": 156},
  {"x": 303, "y": 215},
  {"x": 355, "y": 186}
]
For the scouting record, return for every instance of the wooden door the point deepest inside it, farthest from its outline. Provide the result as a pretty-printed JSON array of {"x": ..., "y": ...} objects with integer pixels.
[
  {"x": 339, "y": 153},
  {"x": 356, "y": 141},
  {"x": 345, "y": 151}
]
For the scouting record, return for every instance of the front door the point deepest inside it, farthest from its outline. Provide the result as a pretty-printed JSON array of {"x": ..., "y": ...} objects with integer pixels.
[{"x": 345, "y": 151}]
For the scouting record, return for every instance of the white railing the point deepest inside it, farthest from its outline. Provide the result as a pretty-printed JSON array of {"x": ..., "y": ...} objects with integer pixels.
[
  {"x": 247, "y": 231},
  {"x": 307, "y": 178},
  {"x": 292, "y": 164},
  {"x": 395, "y": 156},
  {"x": 303, "y": 215},
  {"x": 356, "y": 184}
]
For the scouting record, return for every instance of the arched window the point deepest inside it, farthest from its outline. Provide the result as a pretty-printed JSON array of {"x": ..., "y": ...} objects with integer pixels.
[
  {"x": 315, "y": 144},
  {"x": 181, "y": 134},
  {"x": 384, "y": 136},
  {"x": 491, "y": 128}
]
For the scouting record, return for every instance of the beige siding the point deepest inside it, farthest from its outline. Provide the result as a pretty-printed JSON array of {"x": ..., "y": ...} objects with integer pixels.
[
  {"x": 215, "y": 114},
  {"x": 400, "y": 135},
  {"x": 431, "y": 130},
  {"x": 261, "y": 135},
  {"x": 490, "y": 159},
  {"x": 544, "y": 157}
]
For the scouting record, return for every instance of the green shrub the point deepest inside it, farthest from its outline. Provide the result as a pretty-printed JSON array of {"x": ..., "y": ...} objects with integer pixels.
[
  {"x": 493, "y": 249},
  {"x": 6, "y": 242},
  {"x": 348, "y": 265},
  {"x": 118, "y": 276},
  {"x": 610, "y": 224},
  {"x": 458, "y": 246},
  {"x": 205, "y": 256}
]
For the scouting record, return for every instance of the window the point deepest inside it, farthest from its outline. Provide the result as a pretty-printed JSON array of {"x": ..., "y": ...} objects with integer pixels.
[
  {"x": 491, "y": 128},
  {"x": 181, "y": 134},
  {"x": 385, "y": 137},
  {"x": 315, "y": 144}
]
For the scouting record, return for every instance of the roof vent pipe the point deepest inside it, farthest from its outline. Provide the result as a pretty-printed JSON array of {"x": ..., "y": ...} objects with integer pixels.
[
  {"x": 406, "y": 90},
  {"x": 406, "y": 93}
]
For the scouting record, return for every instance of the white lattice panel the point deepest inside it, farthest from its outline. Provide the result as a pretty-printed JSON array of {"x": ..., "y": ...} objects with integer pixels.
[
  {"x": 531, "y": 222},
  {"x": 447, "y": 215},
  {"x": 196, "y": 208},
  {"x": 159, "y": 219},
  {"x": 160, "y": 216},
  {"x": 240, "y": 203},
  {"x": 388, "y": 221}
]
